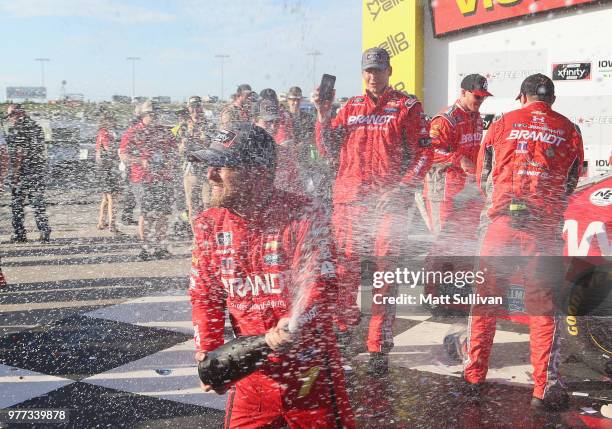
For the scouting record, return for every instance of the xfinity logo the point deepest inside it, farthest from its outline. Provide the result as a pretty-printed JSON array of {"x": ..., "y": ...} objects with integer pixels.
[
  {"x": 369, "y": 119},
  {"x": 487, "y": 119},
  {"x": 574, "y": 71},
  {"x": 377, "y": 6}
]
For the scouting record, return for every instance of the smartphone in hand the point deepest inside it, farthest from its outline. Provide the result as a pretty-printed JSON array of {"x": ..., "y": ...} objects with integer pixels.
[{"x": 326, "y": 89}]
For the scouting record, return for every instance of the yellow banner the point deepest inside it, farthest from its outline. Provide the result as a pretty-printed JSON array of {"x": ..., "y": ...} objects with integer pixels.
[{"x": 397, "y": 26}]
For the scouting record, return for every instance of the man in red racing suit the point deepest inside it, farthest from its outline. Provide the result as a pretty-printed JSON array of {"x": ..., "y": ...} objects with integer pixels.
[
  {"x": 455, "y": 134},
  {"x": 265, "y": 255},
  {"x": 380, "y": 144},
  {"x": 528, "y": 165}
]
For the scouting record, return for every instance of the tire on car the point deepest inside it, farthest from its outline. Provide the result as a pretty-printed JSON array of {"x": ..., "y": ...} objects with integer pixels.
[{"x": 587, "y": 320}]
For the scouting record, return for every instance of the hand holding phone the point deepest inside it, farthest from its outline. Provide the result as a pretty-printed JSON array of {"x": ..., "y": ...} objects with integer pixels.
[
  {"x": 326, "y": 89},
  {"x": 323, "y": 96}
]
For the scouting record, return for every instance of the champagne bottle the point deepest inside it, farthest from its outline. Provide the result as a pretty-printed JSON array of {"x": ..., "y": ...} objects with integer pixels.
[{"x": 234, "y": 360}]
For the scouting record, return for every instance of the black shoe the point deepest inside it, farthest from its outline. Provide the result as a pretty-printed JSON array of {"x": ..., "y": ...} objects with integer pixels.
[
  {"x": 45, "y": 236},
  {"x": 455, "y": 346},
  {"x": 161, "y": 254},
  {"x": 378, "y": 365},
  {"x": 557, "y": 400},
  {"x": 471, "y": 392},
  {"x": 128, "y": 221},
  {"x": 19, "y": 239},
  {"x": 347, "y": 348},
  {"x": 144, "y": 255},
  {"x": 182, "y": 229}
]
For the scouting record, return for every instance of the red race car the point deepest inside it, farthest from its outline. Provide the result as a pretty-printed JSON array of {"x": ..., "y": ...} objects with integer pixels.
[{"x": 587, "y": 233}]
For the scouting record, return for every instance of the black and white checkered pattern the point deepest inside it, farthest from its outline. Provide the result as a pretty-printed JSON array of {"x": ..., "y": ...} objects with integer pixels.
[{"x": 117, "y": 349}]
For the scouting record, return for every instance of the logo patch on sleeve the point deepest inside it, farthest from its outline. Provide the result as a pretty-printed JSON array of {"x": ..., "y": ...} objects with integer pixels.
[
  {"x": 225, "y": 138},
  {"x": 224, "y": 238},
  {"x": 272, "y": 259},
  {"x": 411, "y": 102}
]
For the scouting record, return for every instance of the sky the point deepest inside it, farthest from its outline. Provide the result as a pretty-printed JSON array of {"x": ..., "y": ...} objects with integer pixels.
[{"x": 88, "y": 41}]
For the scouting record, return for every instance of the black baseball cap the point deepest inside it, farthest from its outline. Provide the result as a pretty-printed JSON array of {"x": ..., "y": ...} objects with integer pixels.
[
  {"x": 194, "y": 100},
  {"x": 245, "y": 87},
  {"x": 268, "y": 110},
  {"x": 268, "y": 94},
  {"x": 537, "y": 84},
  {"x": 476, "y": 84},
  {"x": 243, "y": 145},
  {"x": 182, "y": 113},
  {"x": 377, "y": 58}
]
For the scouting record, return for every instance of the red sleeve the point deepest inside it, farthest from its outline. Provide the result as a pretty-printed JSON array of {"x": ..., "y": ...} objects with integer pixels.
[
  {"x": 443, "y": 141},
  {"x": 126, "y": 140},
  {"x": 314, "y": 273},
  {"x": 419, "y": 145},
  {"x": 284, "y": 134},
  {"x": 330, "y": 133},
  {"x": 207, "y": 294},
  {"x": 102, "y": 140}
]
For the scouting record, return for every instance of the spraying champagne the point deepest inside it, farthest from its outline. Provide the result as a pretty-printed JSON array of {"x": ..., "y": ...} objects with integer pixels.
[{"x": 242, "y": 356}]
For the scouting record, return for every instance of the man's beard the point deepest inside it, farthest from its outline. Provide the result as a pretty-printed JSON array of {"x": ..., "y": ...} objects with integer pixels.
[{"x": 225, "y": 198}]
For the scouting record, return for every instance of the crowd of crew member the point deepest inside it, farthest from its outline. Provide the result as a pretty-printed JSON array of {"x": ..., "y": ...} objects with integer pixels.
[
  {"x": 161, "y": 174},
  {"x": 147, "y": 169}
]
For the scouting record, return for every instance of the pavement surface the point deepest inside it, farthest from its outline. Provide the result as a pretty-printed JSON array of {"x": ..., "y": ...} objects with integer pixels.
[{"x": 87, "y": 328}]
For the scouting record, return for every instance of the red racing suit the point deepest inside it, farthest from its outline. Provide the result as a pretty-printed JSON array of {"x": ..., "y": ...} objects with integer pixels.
[
  {"x": 252, "y": 269},
  {"x": 127, "y": 146},
  {"x": 379, "y": 146},
  {"x": 528, "y": 165},
  {"x": 153, "y": 153},
  {"x": 455, "y": 135}
]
